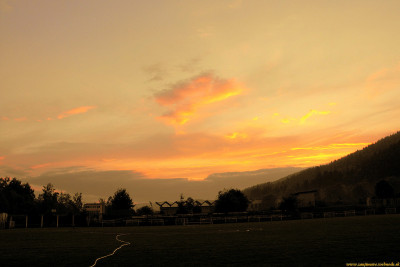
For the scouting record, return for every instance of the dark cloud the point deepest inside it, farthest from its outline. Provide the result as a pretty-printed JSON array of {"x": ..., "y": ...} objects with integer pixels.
[
  {"x": 102, "y": 184},
  {"x": 156, "y": 72},
  {"x": 11, "y": 172},
  {"x": 192, "y": 65},
  {"x": 249, "y": 178}
]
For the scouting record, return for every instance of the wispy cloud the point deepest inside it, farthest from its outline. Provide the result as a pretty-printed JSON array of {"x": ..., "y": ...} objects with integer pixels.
[
  {"x": 41, "y": 166},
  {"x": 21, "y": 119},
  {"x": 157, "y": 72},
  {"x": 12, "y": 171},
  {"x": 383, "y": 80},
  {"x": 311, "y": 113},
  {"x": 75, "y": 111},
  {"x": 236, "y": 135},
  {"x": 190, "y": 65},
  {"x": 332, "y": 146},
  {"x": 188, "y": 97},
  {"x": 287, "y": 120},
  {"x": 319, "y": 157}
]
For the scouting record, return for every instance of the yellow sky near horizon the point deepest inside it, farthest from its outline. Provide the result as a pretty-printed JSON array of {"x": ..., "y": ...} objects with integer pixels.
[{"x": 173, "y": 89}]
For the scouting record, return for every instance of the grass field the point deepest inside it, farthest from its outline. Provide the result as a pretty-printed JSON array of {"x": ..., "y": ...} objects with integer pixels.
[{"x": 318, "y": 242}]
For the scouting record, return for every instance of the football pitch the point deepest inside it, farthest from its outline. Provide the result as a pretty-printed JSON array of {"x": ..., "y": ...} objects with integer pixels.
[{"x": 316, "y": 242}]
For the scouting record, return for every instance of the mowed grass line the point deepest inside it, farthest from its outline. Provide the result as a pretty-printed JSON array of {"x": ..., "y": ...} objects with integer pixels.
[{"x": 319, "y": 242}]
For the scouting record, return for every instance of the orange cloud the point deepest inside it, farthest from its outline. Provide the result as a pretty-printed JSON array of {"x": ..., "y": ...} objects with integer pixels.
[
  {"x": 197, "y": 155},
  {"x": 187, "y": 98},
  {"x": 21, "y": 119},
  {"x": 332, "y": 146},
  {"x": 4, "y": 118},
  {"x": 75, "y": 111},
  {"x": 323, "y": 157},
  {"x": 1, "y": 157},
  {"x": 40, "y": 166}
]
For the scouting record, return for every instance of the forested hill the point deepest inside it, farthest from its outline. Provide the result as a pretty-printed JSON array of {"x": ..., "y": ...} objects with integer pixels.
[{"x": 348, "y": 180}]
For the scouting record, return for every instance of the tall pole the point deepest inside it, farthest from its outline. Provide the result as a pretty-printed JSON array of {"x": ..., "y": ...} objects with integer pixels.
[{"x": 26, "y": 221}]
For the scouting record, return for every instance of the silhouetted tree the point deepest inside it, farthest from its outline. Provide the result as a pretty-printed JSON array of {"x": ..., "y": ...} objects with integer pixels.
[
  {"x": 16, "y": 197},
  {"x": 145, "y": 210},
  {"x": 289, "y": 204},
  {"x": 48, "y": 199},
  {"x": 269, "y": 201},
  {"x": 77, "y": 203},
  {"x": 384, "y": 190},
  {"x": 232, "y": 200},
  {"x": 120, "y": 204},
  {"x": 185, "y": 206},
  {"x": 64, "y": 203}
]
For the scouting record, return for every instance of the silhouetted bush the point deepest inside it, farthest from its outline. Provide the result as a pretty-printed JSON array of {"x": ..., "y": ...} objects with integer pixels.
[{"x": 232, "y": 200}]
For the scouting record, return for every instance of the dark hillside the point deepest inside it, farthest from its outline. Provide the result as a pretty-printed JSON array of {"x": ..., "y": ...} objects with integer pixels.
[{"x": 348, "y": 180}]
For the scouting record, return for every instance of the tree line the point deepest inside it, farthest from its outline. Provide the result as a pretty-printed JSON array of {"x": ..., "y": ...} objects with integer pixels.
[{"x": 19, "y": 198}]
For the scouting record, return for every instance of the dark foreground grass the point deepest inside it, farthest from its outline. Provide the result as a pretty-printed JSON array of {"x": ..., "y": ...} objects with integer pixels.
[{"x": 319, "y": 242}]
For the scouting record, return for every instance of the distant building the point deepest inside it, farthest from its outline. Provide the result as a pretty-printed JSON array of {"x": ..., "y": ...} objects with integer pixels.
[
  {"x": 205, "y": 206},
  {"x": 306, "y": 198},
  {"x": 169, "y": 209},
  {"x": 255, "y": 205},
  {"x": 95, "y": 209},
  {"x": 383, "y": 202}
]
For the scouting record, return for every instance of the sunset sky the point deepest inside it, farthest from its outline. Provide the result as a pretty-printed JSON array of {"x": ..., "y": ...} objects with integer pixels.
[{"x": 124, "y": 91}]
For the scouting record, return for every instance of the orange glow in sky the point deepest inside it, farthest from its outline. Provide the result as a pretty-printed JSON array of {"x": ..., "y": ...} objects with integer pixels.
[
  {"x": 74, "y": 111},
  {"x": 173, "y": 89},
  {"x": 187, "y": 99}
]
